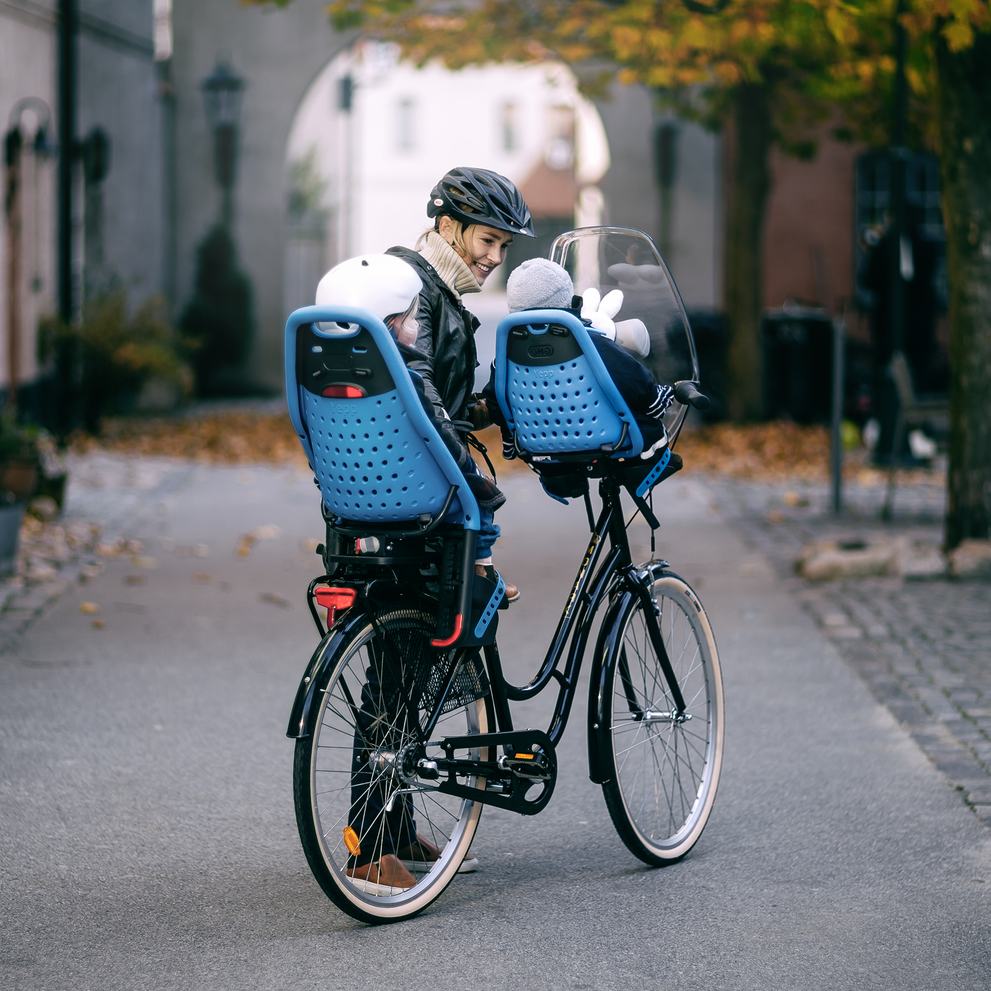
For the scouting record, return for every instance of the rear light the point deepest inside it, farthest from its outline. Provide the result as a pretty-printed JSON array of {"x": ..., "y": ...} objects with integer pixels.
[
  {"x": 344, "y": 392},
  {"x": 335, "y": 598}
]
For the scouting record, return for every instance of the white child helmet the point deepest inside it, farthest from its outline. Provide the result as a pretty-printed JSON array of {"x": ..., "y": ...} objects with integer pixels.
[{"x": 381, "y": 284}]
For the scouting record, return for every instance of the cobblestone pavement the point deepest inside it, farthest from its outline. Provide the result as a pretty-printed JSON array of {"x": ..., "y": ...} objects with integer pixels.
[{"x": 922, "y": 646}]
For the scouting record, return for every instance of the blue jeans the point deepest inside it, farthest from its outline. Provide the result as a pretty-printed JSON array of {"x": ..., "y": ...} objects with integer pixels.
[{"x": 488, "y": 532}]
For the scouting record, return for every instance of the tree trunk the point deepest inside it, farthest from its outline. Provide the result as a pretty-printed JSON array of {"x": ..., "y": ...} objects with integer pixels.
[
  {"x": 747, "y": 191},
  {"x": 965, "y": 158}
]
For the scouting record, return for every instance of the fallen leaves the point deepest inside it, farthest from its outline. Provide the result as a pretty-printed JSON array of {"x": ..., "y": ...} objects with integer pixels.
[
  {"x": 771, "y": 451},
  {"x": 247, "y": 541},
  {"x": 233, "y": 437},
  {"x": 780, "y": 451}
]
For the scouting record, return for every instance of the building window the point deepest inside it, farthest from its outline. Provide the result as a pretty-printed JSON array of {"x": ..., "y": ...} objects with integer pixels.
[
  {"x": 560, "y": 152},
  {"x": 404, "y": 125},
  {"x": 162, "y": 11},
  {"x": 510, "y": 127}
]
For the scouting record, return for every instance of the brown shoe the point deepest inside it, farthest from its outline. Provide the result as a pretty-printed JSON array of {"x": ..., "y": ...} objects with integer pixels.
[
  {"x": 488, "y": 571},
  {"x": 387, "y": 877},
  {"x": 422, "y": 853}
]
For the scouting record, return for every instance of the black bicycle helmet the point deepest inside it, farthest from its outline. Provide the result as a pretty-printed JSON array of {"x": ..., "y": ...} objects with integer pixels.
[{"x": 478, "y": 196}]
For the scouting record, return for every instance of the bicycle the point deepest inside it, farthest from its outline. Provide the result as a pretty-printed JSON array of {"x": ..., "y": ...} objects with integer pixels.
[{"x": 402, "y": 721}]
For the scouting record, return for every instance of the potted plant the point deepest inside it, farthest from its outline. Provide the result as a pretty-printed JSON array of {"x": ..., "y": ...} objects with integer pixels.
[
  {"x": 117, "y": 352},
  {"x": 18, "y": 457}
]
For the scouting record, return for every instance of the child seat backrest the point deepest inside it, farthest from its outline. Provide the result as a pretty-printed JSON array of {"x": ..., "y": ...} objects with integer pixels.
[
  {"x": 555, "y": 392},
  {"x": 375, "y": 454}
]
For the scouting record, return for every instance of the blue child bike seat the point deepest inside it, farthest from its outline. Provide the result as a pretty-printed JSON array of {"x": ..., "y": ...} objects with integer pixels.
[
  {"x": 376, "y": 455},
  {"x": 555, "y": 392}
]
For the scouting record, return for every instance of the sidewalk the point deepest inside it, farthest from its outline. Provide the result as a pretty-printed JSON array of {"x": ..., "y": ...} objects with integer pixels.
[
  {"x": 106, "y": 495},
  {"x": 923, "y": 646}
]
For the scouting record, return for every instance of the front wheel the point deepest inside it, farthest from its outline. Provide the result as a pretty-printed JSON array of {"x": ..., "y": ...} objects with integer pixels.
[
  {"x": 665, "y": 764},
  {"x": 359, "y": 796}
]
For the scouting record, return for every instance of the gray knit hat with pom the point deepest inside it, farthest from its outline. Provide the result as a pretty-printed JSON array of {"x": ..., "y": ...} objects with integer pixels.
[{"x": 539, "y": 284}]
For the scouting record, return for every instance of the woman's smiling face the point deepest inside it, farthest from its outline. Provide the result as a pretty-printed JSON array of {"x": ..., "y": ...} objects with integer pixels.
[
  {"x": 486, "y": 246},
  {"x": 486, "y": 251}
]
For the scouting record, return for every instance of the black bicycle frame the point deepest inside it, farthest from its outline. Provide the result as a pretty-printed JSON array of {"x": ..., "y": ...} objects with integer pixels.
[
  {"x": 593, "y": 583},
  {"x": 602, "y": 575}
]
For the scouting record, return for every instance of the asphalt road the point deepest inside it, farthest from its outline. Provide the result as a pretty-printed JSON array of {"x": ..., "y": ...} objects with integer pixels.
[{"x": 147, "y": 834}]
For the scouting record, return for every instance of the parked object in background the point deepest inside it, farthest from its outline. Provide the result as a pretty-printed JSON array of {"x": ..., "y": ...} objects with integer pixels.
[
  {"x": 711, "y": 331},
  {"x": 913, "y": 410},
  {"x": 797, "y": 364},
  {"x": 971, "y": 559},
  {"x": 830, "y": 560},
  {"x": 11, "y": 514}
]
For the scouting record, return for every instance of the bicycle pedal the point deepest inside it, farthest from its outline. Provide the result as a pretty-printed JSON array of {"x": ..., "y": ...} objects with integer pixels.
[{"x": 534, "y": 766}]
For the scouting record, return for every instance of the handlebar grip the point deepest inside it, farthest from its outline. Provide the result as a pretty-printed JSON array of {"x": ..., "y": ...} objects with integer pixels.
[{"x": 686, "y": 393}]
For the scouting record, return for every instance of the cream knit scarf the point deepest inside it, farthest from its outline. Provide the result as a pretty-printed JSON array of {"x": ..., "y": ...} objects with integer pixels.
[{"x": 449, "y": 264}]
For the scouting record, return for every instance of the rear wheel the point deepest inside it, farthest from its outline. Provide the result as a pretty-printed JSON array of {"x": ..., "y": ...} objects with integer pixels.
[
  {"x": 358, "y": 795},
  {"x": 665, "y": 764}
]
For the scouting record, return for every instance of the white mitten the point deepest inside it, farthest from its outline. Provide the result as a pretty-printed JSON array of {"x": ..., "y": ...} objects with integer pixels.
[{"x": 600, "y": 310}]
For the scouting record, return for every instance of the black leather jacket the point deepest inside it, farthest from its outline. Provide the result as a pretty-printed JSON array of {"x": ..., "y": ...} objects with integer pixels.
[
  {"x": 444, "y": 357},
  {"x": 446, "y": 340}
]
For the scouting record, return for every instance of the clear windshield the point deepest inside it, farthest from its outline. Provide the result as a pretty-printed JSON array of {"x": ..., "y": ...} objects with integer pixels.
[{"x": 607, "y": 258}]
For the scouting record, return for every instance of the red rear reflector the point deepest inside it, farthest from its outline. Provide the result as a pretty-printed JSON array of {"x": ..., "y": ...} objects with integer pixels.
[
  {"x": 458, "y": 623},
  {"x": 343, "y": 392},
  {"x": 335, "y": 598}
]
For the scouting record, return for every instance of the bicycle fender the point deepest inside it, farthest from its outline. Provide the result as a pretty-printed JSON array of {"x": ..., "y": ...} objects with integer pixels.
[
  {"x": 599, "y": 716},
  {"x": 323, "y": 657}
]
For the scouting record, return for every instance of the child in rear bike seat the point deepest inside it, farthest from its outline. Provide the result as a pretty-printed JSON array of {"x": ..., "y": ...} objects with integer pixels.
[{"x": 542, "y": 284}]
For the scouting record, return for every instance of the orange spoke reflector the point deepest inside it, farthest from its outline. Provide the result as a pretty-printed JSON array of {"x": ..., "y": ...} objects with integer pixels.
[
  {"x": 351, "y": 841},
  {"x": 335, "y": 598}
]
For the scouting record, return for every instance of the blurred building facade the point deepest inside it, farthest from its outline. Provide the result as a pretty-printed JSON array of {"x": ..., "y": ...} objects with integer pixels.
[
  {"x": 337, "y": 146},
  {"x": 27, "y": 98},
  {"x": 118, "y": 208},
  {"x": 374, "y": 134}
]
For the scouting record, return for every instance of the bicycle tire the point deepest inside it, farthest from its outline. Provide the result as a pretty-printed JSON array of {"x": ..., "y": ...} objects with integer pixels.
[
  {"x": 664, "y": 770},
  {"x": 331, "y": 797}
]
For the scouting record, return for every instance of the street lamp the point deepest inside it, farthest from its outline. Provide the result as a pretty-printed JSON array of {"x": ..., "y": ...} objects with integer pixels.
[{"x": 222, "y": 91}]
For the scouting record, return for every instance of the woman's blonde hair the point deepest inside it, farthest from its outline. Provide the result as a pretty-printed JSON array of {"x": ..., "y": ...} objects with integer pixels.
[{"x": 462, "y": 236}]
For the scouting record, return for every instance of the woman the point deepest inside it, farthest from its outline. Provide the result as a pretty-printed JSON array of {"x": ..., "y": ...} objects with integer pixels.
[{"x": 476, "y": 214}]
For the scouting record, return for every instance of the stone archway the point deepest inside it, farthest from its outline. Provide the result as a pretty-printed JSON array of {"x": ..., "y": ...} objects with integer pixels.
[{"x": 278, "y": 52}]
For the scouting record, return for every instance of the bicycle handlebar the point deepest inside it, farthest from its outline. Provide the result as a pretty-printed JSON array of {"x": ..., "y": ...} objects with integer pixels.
[{"x": 687, "y": 394}]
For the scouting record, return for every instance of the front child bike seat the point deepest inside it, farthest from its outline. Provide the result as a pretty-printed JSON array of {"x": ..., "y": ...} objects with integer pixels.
[{"x": 555, "y": 392}]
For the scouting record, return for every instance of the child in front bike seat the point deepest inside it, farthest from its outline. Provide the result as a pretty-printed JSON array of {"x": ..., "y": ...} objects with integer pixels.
[{"x": 542, "y": 284}]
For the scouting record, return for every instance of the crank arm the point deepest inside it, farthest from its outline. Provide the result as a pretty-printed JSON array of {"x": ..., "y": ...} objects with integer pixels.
[
  {"x": 513, "y": 800},
  {"x": 529, "y": 761}
]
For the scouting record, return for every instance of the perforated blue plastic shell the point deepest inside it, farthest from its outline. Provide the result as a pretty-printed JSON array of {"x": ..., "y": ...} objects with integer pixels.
[
  {"x": 567, "y": 408},
  {"x": 377, "y": 459}
]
